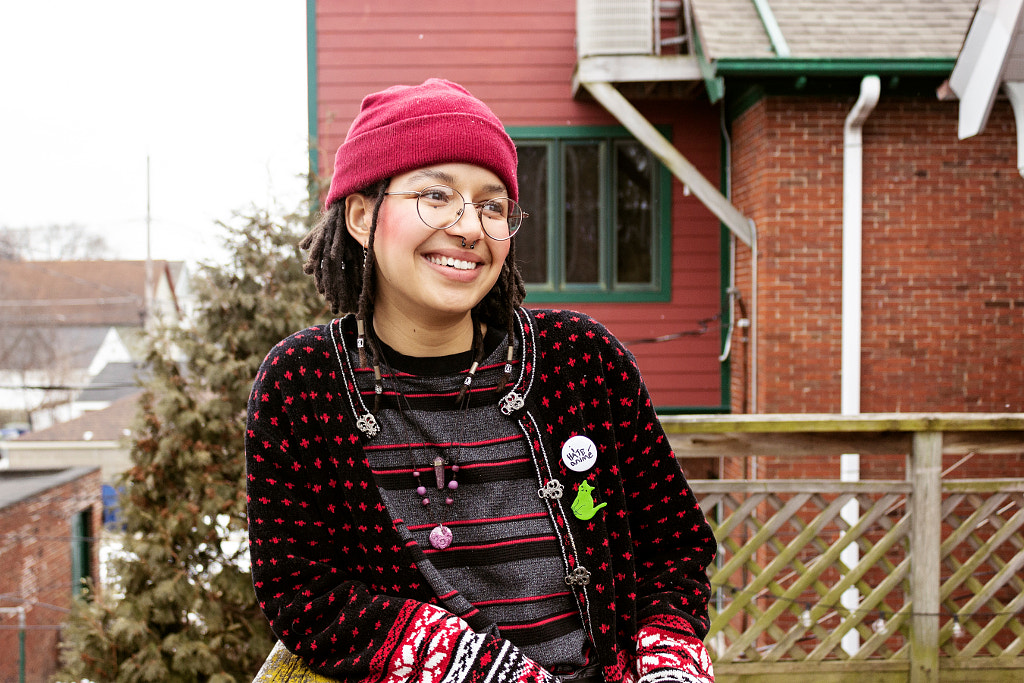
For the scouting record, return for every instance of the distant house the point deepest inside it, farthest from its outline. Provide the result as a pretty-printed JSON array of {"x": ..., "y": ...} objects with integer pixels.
[
  {"x": 49, "y": 520},
  {"x": 69, "y": 325},
  {"x": 114, "y": 381},
  {"x": 97, "y": 438},
  {"x": 43, "y": 377}
]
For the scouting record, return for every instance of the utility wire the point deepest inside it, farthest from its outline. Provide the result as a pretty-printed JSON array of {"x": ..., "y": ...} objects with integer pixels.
[{"x": 71, "y": 387}]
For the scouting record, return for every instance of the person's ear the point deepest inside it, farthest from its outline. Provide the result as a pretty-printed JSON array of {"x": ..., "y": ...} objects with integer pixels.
[{"x": 359, "y": 217}]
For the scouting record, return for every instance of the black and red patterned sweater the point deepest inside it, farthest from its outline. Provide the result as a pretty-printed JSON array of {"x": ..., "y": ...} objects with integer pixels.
[{"x": 342, "y": 591}]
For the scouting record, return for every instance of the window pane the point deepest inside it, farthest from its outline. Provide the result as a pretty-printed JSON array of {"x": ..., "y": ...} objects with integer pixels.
[
  {"x": 81, "y": 550},
  {"x": 582, "y": 213},
  {"x": 532, "y": 238},
  {"x": 634, "y": 220}
]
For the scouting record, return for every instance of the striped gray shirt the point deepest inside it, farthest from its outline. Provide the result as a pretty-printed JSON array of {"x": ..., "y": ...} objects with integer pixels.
[{"x": 503, "y": 571}]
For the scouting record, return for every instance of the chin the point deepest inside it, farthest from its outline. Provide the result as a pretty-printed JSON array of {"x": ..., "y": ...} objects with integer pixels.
[{"x": 459, "y": 306}]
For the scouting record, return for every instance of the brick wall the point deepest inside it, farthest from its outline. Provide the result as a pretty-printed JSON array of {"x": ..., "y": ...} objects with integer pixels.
[
  {"x": 35, "y": 547},
  {"x": 943, "y": 297},
  {"x": 944, "y": 247},
  {"x": 943, "y": 284}
]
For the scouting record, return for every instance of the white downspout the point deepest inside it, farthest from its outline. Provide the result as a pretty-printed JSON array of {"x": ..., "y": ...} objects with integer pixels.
[
  {"x": 853, "y": 197},
  {"x": 754, "y": 407},
  {"x": 850, "y": 372}
]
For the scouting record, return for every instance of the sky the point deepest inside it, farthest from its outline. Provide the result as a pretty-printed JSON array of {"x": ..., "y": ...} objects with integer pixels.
[{"x": 212, "y": 92}]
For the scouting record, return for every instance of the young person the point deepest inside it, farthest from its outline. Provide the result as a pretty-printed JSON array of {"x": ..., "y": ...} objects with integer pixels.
[{"x": 443, "y": 485}]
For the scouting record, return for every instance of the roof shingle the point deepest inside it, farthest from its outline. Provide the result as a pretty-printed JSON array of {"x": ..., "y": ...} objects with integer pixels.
[
  {"x": 109, "y": 424},
  {"x": 74, "y": 292},
  {"x": 836, "y": 29}
]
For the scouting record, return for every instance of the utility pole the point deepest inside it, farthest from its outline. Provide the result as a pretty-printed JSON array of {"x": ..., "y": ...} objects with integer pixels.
[{"x": 148, "y": 297}]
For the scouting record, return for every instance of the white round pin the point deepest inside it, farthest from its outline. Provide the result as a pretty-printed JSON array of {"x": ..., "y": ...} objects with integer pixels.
[{"x": 579, "y": 453}]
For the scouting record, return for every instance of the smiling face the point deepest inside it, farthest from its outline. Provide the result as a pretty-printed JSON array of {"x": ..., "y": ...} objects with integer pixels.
[{"x": 425, "y": 277}]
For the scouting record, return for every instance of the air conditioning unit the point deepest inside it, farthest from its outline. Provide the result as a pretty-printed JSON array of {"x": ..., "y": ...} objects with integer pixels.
[{"x": 614, "y": 27}]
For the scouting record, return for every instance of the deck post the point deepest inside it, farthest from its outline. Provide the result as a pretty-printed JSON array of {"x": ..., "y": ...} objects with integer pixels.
[{"x": 924, "y": 471}]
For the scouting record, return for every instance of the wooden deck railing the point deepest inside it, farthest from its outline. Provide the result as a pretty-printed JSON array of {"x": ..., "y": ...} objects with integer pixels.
[{"x": 925, "y": 580}]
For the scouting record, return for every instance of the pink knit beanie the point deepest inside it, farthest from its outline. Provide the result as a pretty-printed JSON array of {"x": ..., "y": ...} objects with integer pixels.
[{"x": 408, "y": 127}]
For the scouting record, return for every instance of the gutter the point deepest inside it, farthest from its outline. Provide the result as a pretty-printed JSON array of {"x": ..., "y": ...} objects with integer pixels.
[
  {"x": 772, "y": 66},
  {"x": 715, "y": 71}
]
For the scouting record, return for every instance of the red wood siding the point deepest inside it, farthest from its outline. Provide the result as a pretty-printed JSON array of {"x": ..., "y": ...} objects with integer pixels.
[
  {"x": 523, "y": 70},
  {"x": 684, "y": 372},
  {"x": 520, "y": 62}
]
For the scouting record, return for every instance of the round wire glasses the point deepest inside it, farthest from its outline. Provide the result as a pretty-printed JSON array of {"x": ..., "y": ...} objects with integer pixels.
[{"x": 440, "y": 207}]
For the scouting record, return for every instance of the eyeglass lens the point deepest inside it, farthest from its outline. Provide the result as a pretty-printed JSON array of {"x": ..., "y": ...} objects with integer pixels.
[{"x": 440, "y": 207}]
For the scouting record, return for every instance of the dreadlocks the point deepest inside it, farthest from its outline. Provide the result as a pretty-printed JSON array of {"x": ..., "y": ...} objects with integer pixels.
[{"x": 336, "y": 260}]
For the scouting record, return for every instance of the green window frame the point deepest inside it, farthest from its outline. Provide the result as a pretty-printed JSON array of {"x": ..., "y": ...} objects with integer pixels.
[
  {"x": 548, "y": 156},
  {"x": 81, "y": 549}
]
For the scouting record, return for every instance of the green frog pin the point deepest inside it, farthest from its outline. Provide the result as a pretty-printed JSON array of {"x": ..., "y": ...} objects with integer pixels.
[{"x": 583, "y": 507}]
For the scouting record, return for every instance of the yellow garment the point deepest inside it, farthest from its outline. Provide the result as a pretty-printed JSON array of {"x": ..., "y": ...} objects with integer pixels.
[{"x": 284, "y": 667}]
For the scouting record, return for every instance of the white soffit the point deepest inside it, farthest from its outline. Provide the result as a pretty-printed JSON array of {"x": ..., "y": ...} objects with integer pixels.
[{"x": 992, "y": 55}]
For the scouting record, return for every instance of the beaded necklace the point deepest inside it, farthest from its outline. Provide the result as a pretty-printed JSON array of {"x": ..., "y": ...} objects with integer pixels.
[{"x": 441, "y": 535}]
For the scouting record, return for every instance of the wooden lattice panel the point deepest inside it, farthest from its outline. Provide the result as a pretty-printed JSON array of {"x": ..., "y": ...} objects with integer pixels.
[
  {"x": 781, "y": 575},
  {"x": 935, "y": 589},
  {"x": 982, "y": 559}
]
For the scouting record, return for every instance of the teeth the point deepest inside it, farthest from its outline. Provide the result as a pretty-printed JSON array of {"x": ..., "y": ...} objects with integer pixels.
[{"x": 452, "y": 263}]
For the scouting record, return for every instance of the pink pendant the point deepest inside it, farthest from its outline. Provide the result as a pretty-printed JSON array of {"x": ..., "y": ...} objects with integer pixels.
[
  {"x": 439, "y": 472},
  {"x": 441, "y": 537}
]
